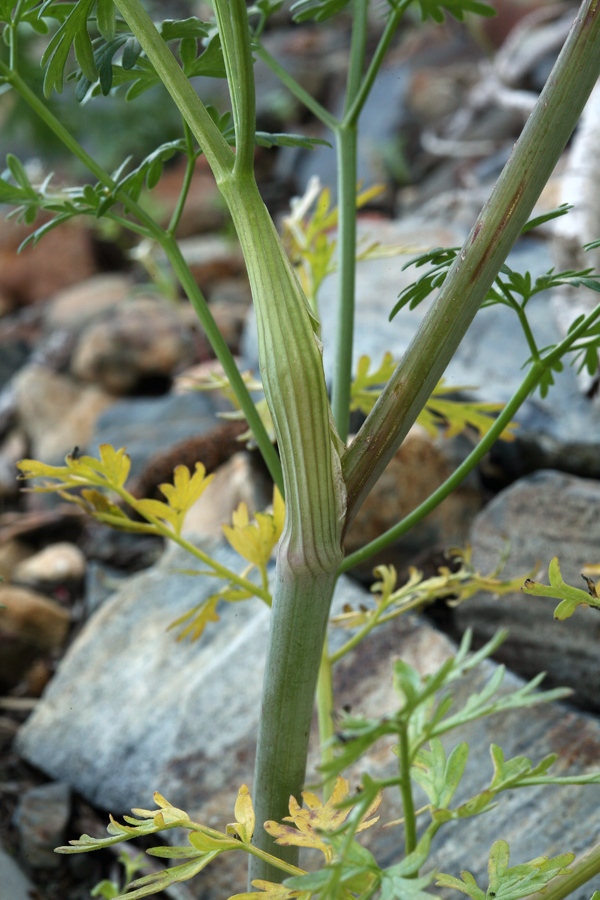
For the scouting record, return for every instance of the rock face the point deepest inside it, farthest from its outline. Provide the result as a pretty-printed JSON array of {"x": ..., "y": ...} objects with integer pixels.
[
  {"x": 30, "y": 625},
  {"x": 417, "y": 469},
  {"x": 544, "y": 515},
  {"x": 141, "y": 339},
  {"x": 13, "y": 881},
  {"x": 78, "y": 305},
  {"x": 157, "y": 714},
  {"x": 146, "y": 426},
  {"x": 41, "y": 818},
  {"x": 57, "y": 413}
]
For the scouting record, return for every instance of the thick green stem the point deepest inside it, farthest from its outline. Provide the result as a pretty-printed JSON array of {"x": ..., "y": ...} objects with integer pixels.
[
  {"x": 325, "y": 711},
  {"x": 297, "y": 631},
  {"x": 497, "y": 228},
  {"x": 345, "y": 139},
  {"x": 219, "y": 154}
]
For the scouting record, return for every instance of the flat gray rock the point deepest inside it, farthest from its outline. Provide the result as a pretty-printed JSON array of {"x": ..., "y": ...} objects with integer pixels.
[
  {"x": 14, "y": 883},
  {"x": 544, "y": 515},
  {"x": 131, "y": 711}
]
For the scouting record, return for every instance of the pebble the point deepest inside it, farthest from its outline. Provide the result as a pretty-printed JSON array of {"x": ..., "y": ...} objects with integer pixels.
[
  {"x": 141, "y": 339},
  {"x": 30, "y": 626},
  {"x": 56, "y": 564},
  {"x": 41, "y": 818}
]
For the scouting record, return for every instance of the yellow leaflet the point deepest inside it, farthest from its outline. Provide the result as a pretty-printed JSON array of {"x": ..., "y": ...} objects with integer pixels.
[
  {"x": 244, "y": 816},
  {"x": 270, "y": 891},
  {"x": 319, "y": 817}
]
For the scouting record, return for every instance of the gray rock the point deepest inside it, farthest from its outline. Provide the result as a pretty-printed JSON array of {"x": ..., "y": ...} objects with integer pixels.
[
  {"x": 151, "y": 425},
  {"x": 41, "y": 818},
  {"x": 544, "y": 515},
  {"x": 181, "y": 718},
  {"x": 15, "y": 884}
]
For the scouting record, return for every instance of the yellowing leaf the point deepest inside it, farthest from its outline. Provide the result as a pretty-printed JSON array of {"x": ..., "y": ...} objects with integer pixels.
[
  {"x": 255, "y": 540},
  {"x": 197, "y": 618},
  {"x": 116, "y": 464},
  {"x": 270, "y": 891},
  {"x": 244, "y": 816},
  {"x": 184, "y": 491},
  {"x": 319, "y": 817},
  {"x": 156, "y": 509},
  {"x": 453, "y": 415}
]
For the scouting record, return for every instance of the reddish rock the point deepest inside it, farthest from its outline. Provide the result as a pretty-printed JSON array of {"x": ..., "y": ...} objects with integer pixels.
[
  {"x": 63, "y": 257},
  {"x": 76, "y": 306}
]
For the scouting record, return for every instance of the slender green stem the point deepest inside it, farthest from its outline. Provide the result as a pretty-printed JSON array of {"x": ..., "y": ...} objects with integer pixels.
[
  {"x": 358, "y": 46},
  {"x": 14, "y": 24},
  {"x": 522, "y": 318},
  {"x": 525, "y": 388},
  {"x": 325, "y": 710},
  {"x": 187, "y": 179},
  {"x": 223, "y": 353},
  {"x": 345, "y": 142},
  {"x": 475, "y": 268},
  {"x": 294, "y": 88},
  {"x": 180, "y": 267},
  {"x": 219, "y": 154},
  {"x": 451, "y": 483},
  {"x": 345, "y": 139},
  {"x": 535, "y": 353},
  {"x": 404, "y": 763},
  {"x": 244, "y": 86},
  {"x": 271, "y": 860},
  {"x": 582, "y": 870},
  {"x": 354, "y": 110}
]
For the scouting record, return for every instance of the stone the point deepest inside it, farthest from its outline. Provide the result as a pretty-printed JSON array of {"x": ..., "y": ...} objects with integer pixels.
[
  {"x": 239, "y": 480},
  {"x": 544, "y": 515},
  {"x": 30, "y": 625},
  {"x": 417, "y": 469},
  {"x": 78, "y": 305},
  {"x": 182, "y": 718},
  {"x": 12, "y": 449},
  {"x": 146, "y": 426},
  {"x": 56, "y": 412},
  {"x": 139, "y": 340},
  {"x": 57, "y": 564},
  {"x": 12, "y": 553},
  {"x": 41, "y": 818},
  {"x": 14, "y": 882},
  {"x": 64, "y": 257}
]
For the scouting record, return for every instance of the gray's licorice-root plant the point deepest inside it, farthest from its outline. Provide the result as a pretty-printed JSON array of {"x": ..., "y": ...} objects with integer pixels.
[{"x": 321, "y": 481}]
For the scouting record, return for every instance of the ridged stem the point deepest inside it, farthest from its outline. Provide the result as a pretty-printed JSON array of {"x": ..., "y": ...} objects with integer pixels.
[{"x": 496, "y": 230}]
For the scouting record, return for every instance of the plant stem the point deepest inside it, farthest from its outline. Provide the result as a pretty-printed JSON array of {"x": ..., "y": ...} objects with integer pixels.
[
  {"x": 451, "y": 483},
  {"x": 325, "y": 710},
  {"x": 180, "y": 267},
  {"x": 345, "y": 139},
  {"x": 475, "y": 268},
  {"x": 298, "y": 625},
  {"x": 353, "y": 111},
  {"x": 187, "y": 180},
  {"x": 404, "y": 763},
  {"x": 294, "y": 88},
  {"x": 219, "y": 154}
]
